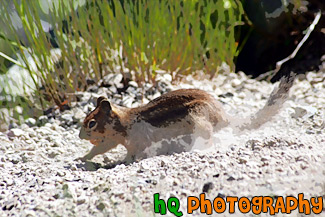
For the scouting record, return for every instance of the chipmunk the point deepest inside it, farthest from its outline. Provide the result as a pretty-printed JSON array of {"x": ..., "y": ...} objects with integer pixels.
[{"x": 171, "y": 121}]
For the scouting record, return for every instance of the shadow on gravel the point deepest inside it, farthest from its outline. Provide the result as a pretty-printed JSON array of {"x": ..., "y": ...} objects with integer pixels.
[{"x": 93, "y": 166}]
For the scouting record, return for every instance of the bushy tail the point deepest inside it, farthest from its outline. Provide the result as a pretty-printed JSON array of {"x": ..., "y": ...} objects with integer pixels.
[{"x": 278, "y": 96}]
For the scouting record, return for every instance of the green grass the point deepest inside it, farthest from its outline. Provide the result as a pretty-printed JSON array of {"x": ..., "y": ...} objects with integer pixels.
[{"x": 101, "y": 37}]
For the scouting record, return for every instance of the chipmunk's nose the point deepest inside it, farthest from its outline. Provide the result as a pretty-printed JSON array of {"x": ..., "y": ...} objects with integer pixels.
[{"x": 83, "y": 134}]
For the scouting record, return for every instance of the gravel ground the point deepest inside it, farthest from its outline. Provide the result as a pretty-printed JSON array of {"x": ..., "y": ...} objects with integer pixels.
[{"x": 40, "y": 177}]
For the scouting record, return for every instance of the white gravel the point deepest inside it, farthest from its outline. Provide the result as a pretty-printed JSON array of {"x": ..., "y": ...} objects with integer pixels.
[{"x": 39, "y": 176}]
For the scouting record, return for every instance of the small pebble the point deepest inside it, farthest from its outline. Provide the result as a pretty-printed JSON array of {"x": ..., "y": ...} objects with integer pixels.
[{"x": 16, "y": 132}]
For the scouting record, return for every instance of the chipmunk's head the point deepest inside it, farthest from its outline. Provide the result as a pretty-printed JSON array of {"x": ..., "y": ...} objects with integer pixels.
[{"x": 102, "y": 125}]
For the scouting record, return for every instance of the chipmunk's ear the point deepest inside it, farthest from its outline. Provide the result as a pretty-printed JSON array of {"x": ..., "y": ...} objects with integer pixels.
[
  {"x": 105, "y": 106},
  {"x": 101, "y": 98}
]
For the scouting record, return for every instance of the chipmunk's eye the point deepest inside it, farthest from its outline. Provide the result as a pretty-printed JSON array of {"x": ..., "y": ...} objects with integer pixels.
[{"x": 92, "y": 124}]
